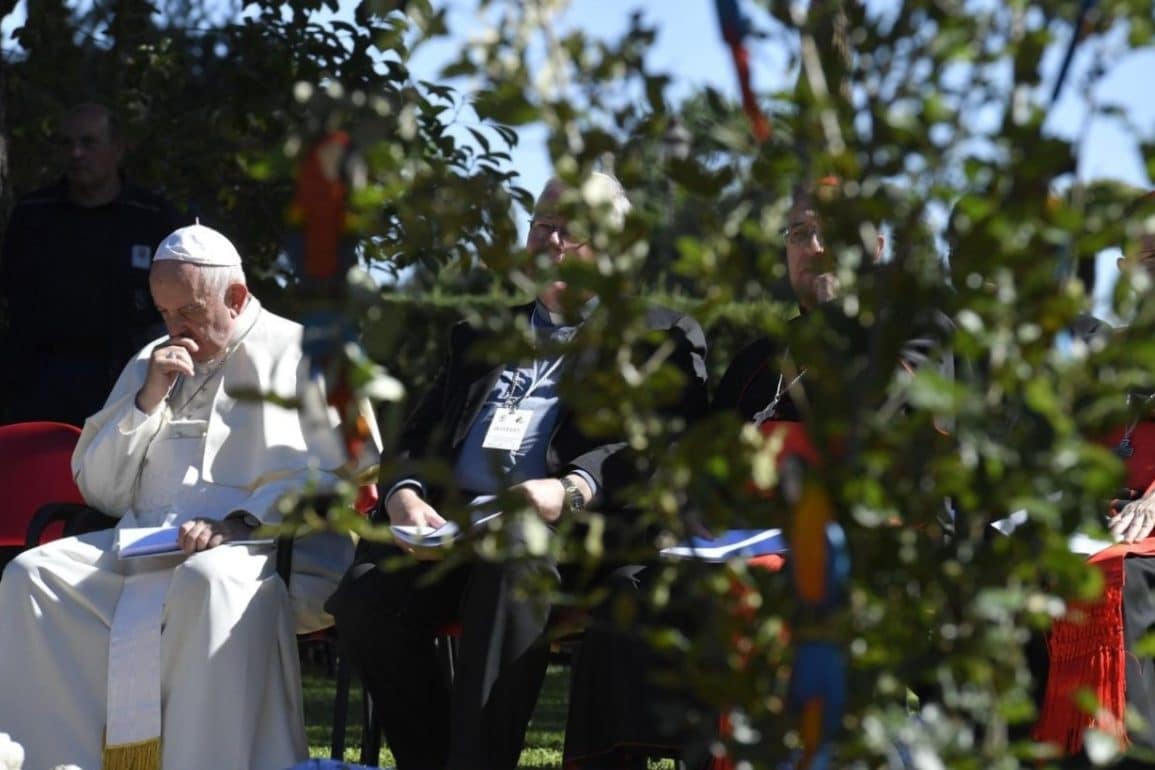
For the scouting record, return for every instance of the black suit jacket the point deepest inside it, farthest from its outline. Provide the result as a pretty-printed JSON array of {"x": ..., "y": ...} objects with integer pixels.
[
  {"x": 836, "y": 351},
  {"x": 437, "y": 428}
]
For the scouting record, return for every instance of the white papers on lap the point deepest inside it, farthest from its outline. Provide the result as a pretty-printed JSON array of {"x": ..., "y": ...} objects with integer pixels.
[
  {"x": 135, "y": 542},
  {"x": 146, "y": 541},
  {"x": 483, "y": 509},
  {"x": 731, "y": 544},
  {"x": 1087, "y": 545},
  {"x": 1076, "y": 543}
]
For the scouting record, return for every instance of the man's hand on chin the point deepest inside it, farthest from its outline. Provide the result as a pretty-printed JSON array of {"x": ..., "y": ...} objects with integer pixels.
[
  {"x": 202, "y": 534},
  {"x": 826, "y": 287},
  {"x": 167, "y": 361}
]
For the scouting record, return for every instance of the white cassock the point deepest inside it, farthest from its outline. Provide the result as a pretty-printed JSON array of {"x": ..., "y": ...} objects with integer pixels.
[{"x": 204, "y": 653}]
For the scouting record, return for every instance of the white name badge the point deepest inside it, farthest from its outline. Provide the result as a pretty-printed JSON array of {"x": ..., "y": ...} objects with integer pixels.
[
  {"x": 141, "y": 256},
  {"x": 507, "y": 429}
]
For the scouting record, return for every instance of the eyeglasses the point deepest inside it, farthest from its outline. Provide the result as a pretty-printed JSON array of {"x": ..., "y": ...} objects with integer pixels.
[
  {"x": 545, "y": 230},
  {"x": 802, "y": 235}
]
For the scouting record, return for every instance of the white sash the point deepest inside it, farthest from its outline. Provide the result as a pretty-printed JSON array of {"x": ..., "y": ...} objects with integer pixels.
[{"x": 134, "y": 715}]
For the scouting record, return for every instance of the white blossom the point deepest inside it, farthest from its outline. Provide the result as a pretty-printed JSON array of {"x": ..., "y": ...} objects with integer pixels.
[{"x": 11, "y": 753}]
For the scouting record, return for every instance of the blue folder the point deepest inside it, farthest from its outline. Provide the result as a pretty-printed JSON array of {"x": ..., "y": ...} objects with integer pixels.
[{"x": 731, "y": 544}]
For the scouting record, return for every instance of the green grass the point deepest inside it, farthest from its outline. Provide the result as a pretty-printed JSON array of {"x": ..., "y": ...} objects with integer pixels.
[{"x": 543, "y": 742}]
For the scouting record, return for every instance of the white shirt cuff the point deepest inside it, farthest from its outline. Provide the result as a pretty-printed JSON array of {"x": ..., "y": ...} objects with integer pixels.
[{"x": 403, "y": 484}]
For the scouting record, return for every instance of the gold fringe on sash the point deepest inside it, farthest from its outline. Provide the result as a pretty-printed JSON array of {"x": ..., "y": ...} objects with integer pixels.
[{"x": 144, "y": 755}]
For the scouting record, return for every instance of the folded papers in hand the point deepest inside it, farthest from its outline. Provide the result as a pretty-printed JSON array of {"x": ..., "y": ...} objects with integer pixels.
[
  {"x": 731, "y": 544},
  {"x": 483, "y": 509},
  {"x": 135, "y": 542}
]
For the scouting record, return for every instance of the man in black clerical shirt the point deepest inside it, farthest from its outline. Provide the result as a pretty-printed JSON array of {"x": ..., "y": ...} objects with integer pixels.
[
  {"x": 74, "y": 277},
  {"x": 508, "y": 428},
  {"x": 825, "y": 351}
]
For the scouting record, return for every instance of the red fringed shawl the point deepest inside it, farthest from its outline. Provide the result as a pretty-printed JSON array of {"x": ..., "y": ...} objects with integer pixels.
[
  {"x": 1086, "y": 647},
  {"x": 1087, "y": 653}
]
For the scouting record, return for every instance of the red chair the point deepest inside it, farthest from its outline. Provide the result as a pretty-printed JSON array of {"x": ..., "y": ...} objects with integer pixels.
[
  {"x": 40, "y": 502},
  {"x": 35, "y": 476}
]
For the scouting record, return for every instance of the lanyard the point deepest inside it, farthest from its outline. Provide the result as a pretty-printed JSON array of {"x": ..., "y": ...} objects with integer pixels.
[
  {"x": 512, "y": 400},
  {"x": 767, "y": 412}
]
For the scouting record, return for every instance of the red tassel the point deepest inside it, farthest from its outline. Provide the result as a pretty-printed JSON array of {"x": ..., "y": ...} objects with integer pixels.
[
  {"x": 1088, "y": 654},
  {"x": 758, "y": 122}
]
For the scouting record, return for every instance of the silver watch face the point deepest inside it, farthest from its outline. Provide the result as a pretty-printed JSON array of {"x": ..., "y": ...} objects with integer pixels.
[{"x": 574, "y": 499}]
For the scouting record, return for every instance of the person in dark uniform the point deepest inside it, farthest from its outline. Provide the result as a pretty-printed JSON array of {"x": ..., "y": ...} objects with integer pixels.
[
  {"x": 74, "y": 277},
  {"x": 510, "y": 428}
]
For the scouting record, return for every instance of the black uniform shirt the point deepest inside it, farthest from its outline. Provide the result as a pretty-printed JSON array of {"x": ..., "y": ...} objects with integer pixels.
[
  {"x": 74, "y": 281},
  {"x": 77, "y": 276}
]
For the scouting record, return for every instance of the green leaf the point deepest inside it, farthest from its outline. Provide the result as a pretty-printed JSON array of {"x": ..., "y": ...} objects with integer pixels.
[{"x": 505, "y": 104}]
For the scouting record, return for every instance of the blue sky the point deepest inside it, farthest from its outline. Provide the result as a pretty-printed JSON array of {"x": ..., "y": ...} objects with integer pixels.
[{"x": 690, "y": 49}]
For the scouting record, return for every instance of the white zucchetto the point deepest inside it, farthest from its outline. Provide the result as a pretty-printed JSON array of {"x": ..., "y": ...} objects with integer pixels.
[{"x": 198, "y": 245}]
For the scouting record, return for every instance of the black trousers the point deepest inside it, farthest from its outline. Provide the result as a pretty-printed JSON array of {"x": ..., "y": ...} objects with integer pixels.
[
  {"x": 1138, "y": 621},
  {"x": 386, "y": 621},
  {"x": 628, "y": 700}
]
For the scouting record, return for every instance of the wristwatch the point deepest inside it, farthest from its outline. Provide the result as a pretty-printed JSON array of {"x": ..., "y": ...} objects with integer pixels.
[
  {"x": 573, "y": 496},
  {"x": 246, "y": 518}
]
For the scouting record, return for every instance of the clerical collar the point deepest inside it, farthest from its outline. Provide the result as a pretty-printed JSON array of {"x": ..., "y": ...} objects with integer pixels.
[{"x": 545, "y": 317}]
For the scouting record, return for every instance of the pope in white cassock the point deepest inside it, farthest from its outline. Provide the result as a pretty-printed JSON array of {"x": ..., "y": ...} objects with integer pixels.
[{"x": 183, "y": 661}]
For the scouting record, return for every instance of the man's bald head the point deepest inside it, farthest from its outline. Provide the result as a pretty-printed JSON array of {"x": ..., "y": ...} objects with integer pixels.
[
  {"x": 599, "y": 192},
  {"x": 551, "y": 232}
]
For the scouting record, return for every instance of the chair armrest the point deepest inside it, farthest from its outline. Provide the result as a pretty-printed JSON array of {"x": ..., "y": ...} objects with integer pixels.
[
  {"x": 78, "y": 518},
  {"x": 285, "y": 557},
  {"x": 286, "y": 540},
  {"x": 89, "y": 520}
]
